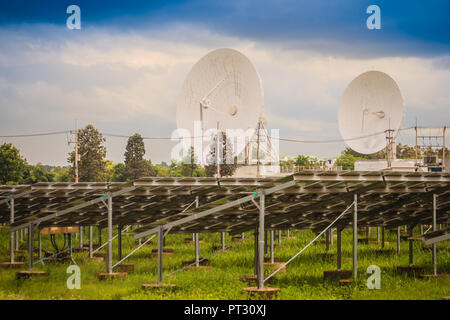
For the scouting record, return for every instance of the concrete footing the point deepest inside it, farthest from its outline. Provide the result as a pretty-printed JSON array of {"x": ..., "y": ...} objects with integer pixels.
[
  {"x": 411, "y": 270},
  {"x": 166, "y": 252},
  {"x": 264, "y": 293},
  {"x": 202, "y": 262},
  {"x": 337, "y": 274},
  {"x": 252, "y": 279},
  {"x": 111, "y": 276},
  {"x": 11, "y": 265},
  {"x": 128, "y": 268}
]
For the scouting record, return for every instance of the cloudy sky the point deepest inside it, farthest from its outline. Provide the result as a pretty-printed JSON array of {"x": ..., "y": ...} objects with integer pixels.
[{"x": 123, "y": 70}]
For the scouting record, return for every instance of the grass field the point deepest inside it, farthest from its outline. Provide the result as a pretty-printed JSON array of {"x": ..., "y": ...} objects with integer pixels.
[{"x": 303, "y": 279}]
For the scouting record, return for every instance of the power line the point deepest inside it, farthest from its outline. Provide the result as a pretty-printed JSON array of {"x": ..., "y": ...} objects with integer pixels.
[
  {"x": 36, "y": 134},
  {"x": 197, "y": 137}
]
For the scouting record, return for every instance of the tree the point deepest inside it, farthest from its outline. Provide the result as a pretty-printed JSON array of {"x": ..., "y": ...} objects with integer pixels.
[
  {"x": 61, "y": 174},
  {"x": 227, "y": 164},
  {"x": 347, "y": 161},
  {"x": 92, "y": 164},
  {"x": 302, "y": 161},
  {"x": 37, "y": 173},
  {"x": 12, "y": 164},
  {"x": 373, "y": 156},
  {"x": 117, "y": 173},
  {"x": 135, "y": 164}
]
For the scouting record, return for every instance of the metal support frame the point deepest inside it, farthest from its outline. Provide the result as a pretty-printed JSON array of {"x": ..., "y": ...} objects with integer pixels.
[
  {"x": 355, "y": 237},
  {"x": 196, "y": 238},
  {"x": 339, "y": 248},
  {"x": 327, "y": 240},
  {"x": 69, "y": 236},
  {"x": 378, "y": 234},
  {"x": 17, "y": 239},
  {"x": 11, "y": 235},
  {"x": 119, "y": 241},
  {"x": 279, "y": 238},
  {"x": 382, "y": 237},
  {"x": 398, "y": 240},
  {"x": 331, "y": 236},
  {"x": 222, "y": 240},
  {"x": 434, "y": 254},
  {"x": 272, "y": 245},
  {"x": 90, "y": 242},
  {"x": 81, "y": 237},
  {"x": 160, "y": 253},
  {"x": 30, "y": 247},
  {"x": 256, "y": 259},
  {"x": 110, "y": 231},
  {"x": 411, "y": 245},
  {"x": 231, "y": 204},
  {"x": 261, "y": 234},
  {"x": 39, "y": 244}
]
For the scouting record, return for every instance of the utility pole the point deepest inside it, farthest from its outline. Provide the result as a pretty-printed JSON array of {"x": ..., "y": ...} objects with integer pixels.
[
  {"x": 77, "y": 156},
  {"x": 217, "y": 151}
]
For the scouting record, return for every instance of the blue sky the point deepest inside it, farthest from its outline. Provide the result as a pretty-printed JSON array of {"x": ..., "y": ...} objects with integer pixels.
[{"x": 123, "y": 70}]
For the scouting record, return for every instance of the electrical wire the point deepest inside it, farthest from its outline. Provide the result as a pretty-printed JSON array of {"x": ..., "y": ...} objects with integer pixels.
[{"x": 197, "y": 137}]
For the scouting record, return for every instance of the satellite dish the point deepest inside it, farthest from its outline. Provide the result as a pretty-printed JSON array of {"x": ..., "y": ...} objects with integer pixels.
[
  {"x": 223, "y": 87},
  {"x": 372, "y": 105}
]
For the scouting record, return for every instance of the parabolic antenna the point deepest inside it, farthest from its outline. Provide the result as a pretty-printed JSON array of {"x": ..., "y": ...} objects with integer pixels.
[
  {"x": 223, "y": 87},
  {"x": 371, "y": 105}
]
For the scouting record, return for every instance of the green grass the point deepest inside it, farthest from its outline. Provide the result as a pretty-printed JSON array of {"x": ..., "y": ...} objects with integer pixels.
[{"x": 303, "y": 279}]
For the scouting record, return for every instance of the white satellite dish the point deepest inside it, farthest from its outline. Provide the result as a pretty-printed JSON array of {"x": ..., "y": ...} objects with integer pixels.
[
  {"x": 371, "y": 107},
  {"x": 223, "y": 87}
]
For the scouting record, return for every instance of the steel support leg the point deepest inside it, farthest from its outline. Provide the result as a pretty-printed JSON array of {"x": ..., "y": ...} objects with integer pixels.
[
  {"x": 411, "y": 246},
  {"x": 110, "y": 232},
  {"x": 272, "y": 245},
  {"x": 39, "y": 244},
  {"x": 11, "y": 235},
  {"x": 327, "y": 240},
  {"x": 91, "y": 251},
  {"x": 279, "y": 238},
  {"x": 331, "y": 236},
  {"x": 382, "y": 237},
  {"x": 222, "y": 240},
  {"x": 119, "y": 241},
  {"x": 196, "y": 238},
  {"x": 434, "y": 254},
  {"x": 197, "y": 250},
  {"x": 339, "y": 248},
  {"x": 261, "y": 234},
  {"x": 30, "y": 247},
  {"x": 256, "y": 253},
  {"x": 17, "y": 240},
  {"x": 398, "y": 240},
  {"x": 160, "y": 252},
  {"x": 378, "y": 234},
  {"x": 81, "y": 237},
  {"x": 355, "y": 237}
]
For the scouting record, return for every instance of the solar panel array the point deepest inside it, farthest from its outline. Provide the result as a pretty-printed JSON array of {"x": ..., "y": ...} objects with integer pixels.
[{"x": 311, "y": 201}]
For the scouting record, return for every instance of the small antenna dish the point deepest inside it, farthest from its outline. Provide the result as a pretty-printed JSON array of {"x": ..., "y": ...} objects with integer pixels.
[{"x": 371, "y": 107}]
